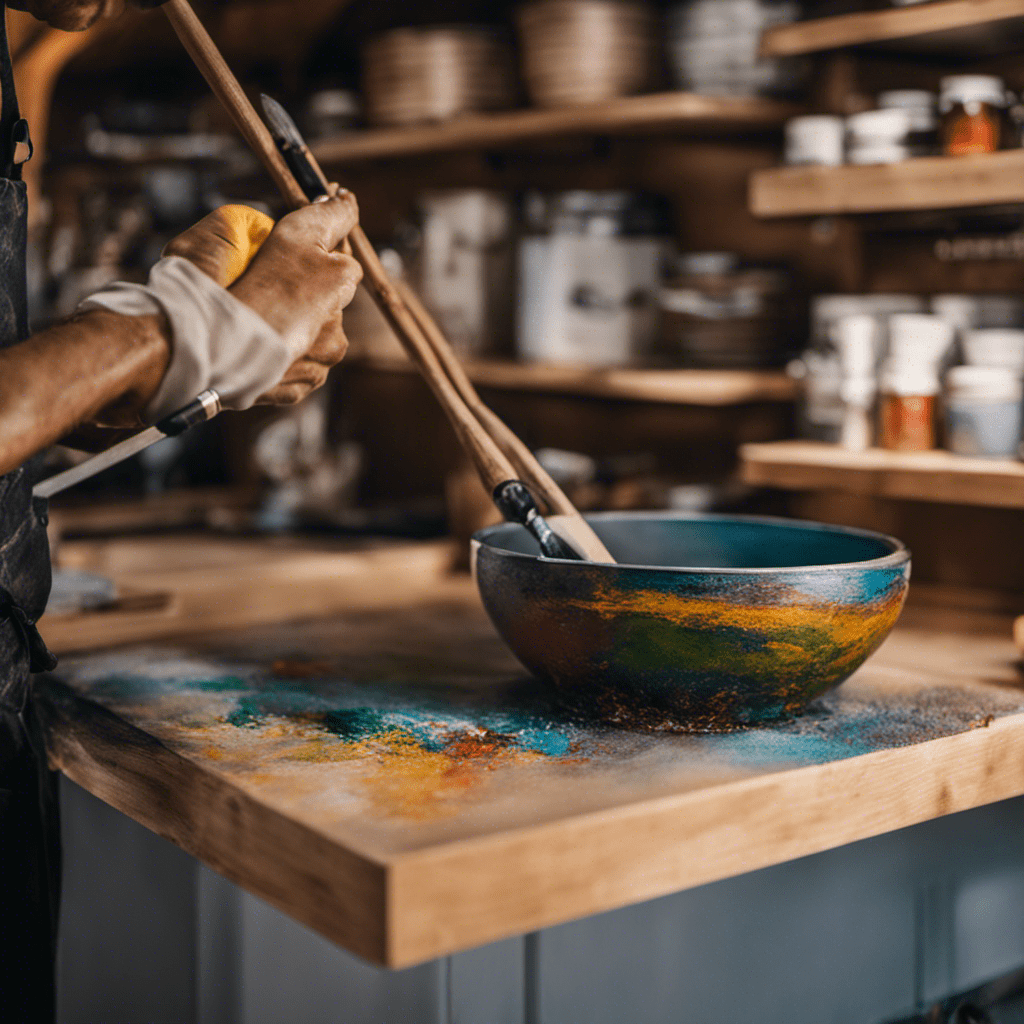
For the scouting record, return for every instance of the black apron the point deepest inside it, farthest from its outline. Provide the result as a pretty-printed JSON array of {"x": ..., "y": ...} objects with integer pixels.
[{"x": 29, "y": 823}]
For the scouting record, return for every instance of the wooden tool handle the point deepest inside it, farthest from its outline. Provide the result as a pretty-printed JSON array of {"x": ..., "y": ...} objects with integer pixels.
[
  {"x": 491, "y": 463},
  {"x": 528, "y": 469},
  {"x": 473, "y": 422},
  {"x": 207, "y": 58}
]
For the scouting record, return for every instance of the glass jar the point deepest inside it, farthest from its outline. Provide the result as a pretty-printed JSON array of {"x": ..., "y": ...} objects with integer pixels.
[
  {"x": 906, "y": 410},
  {"x": 909, "y": 381},
  {"x": 923, "y": 135},
  {"x": 974, "y": 114},
  {"x": 983, "y": 411}
]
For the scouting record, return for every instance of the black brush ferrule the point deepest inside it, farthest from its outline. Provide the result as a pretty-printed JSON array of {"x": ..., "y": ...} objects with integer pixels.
[{"x": 516, "y": 504}]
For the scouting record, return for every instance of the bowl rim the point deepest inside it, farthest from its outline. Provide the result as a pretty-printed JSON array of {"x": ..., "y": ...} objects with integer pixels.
[{"x": 898, "y": 556}]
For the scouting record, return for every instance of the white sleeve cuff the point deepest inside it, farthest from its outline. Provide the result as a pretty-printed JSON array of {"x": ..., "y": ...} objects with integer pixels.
[{"x": 216, "y": 341}]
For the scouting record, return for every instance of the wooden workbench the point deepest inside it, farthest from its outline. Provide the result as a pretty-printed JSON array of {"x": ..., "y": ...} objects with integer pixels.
[{"x": 390, "y": 778}]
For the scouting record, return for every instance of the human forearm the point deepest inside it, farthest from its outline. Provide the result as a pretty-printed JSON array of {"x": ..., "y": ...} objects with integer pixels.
[
  {"x": 274, "y": 344},
  {"x": 96, "y": 367}
]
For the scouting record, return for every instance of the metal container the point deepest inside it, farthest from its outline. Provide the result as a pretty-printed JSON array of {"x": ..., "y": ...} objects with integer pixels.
[
  {"x": 716, "y": 314},
  {"x": 707, "y": 623},
  {"x": 589, "y": 278},
  {"x": 465, "y": 267}
]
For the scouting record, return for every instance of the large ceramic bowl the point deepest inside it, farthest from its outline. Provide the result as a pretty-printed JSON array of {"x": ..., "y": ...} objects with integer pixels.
[{"x": 707, "y": 622}]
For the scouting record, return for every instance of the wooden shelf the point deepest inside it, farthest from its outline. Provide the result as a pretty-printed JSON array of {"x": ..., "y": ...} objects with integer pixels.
[
  {"x": 927, "y": 183},
  {"x": 394, "y": 787},
  {"x": 923, "y": 476},
  {"x": 941, "y": 26},
  {"x": 657, "y": 112},
  {"x": 674, "y": 387}
]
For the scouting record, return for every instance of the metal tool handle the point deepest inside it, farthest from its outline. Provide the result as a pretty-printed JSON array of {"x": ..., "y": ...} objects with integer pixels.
[{"x": 202, "y": 408}]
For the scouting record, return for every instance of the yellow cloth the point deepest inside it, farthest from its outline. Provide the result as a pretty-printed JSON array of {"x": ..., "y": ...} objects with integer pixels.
[
  {"x": 224, "y": 242},
  {"x": 248, "y": 231}
]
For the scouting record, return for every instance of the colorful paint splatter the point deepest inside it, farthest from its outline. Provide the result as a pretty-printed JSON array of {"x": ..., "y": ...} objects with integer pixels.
[
  {"x": 412, "y": 750},
  {"x": 415, "y": 750}
]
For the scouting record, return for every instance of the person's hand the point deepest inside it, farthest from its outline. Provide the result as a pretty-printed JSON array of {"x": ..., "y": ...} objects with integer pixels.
[
  {"x": 71, "y": 15},
  {"x": 296, "y": 281}
]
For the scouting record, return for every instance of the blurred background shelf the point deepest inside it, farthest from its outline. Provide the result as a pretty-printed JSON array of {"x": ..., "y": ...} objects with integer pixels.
[
  {"x": 923, "y": 476},
  {"x": 675, "y": 387},
  {"x": 926, "y": 183},
  {"x": 699, "y": 116},
  {"x": 981, "y": 26}
]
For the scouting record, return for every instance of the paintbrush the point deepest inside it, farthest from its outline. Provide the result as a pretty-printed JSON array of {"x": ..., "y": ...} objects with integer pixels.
[
  {"x": 513, "y": 497},
  {"x": 494, "y": 466}
]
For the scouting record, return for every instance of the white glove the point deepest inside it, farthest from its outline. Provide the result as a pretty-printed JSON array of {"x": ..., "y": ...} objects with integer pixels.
[{"x": 216, "y": 341}]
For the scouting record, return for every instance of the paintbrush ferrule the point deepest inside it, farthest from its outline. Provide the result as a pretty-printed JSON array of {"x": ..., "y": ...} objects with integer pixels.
[
  {"x": 292, "y": 147},
  {"x": 516, "y": 504}
]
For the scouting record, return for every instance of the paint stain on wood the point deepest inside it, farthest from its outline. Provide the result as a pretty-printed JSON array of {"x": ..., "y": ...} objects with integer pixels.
[{"x": 424, "y": 746}]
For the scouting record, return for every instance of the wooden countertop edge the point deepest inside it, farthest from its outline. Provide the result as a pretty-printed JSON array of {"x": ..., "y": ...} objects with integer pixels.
[
  {"x": 406, "y": 908},
  {"x": 330, "y": 888},
  {"x": 465, "y": 894}
]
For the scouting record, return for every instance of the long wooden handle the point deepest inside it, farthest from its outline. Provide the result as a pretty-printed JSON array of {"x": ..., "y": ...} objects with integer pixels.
[
  {"x": 498, "y": 454},
  {"x": 491, "y": 462},
  {"x": 493, "y": 466},
  {"x": 220, "y": 78},
  {"x": 567, "y": 521},
  {"x": 528, "y": 469}
]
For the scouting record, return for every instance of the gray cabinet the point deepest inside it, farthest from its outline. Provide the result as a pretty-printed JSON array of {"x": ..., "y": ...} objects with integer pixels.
[{"x": 851, "y": 936}]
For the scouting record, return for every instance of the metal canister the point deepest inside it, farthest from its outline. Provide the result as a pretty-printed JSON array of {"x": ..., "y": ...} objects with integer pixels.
[{"x": 589, "y": 270}]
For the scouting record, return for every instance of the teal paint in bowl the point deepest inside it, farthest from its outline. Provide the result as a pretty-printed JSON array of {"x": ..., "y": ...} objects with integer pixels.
[{"x": 707, "y": 622}]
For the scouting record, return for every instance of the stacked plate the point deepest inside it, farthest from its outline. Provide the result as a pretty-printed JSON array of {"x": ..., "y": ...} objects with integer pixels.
[
  {"x": 713, "y": 47},
  {"x": 585, "y": 51},
  {"x": 417, "y": 75}
]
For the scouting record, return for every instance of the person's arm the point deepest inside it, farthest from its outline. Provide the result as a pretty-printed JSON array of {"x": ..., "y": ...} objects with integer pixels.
[
  {"x": 102, "y": 367},
  {"x": 69, "y": 373}
]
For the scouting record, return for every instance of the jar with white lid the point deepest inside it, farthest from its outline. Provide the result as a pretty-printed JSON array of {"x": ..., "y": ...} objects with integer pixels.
[
  {"x": 983, "y": 411},
  {"x": 906, "y": 409},
  {"x": 814, "y": 140},
  {"x": 919, "y": 104},
  {"x": 589, "y": 277},
  {"x": 879, "y": 136},
  {"x": 974, "y": 114},
  {"x": 909, "y": 381}
]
